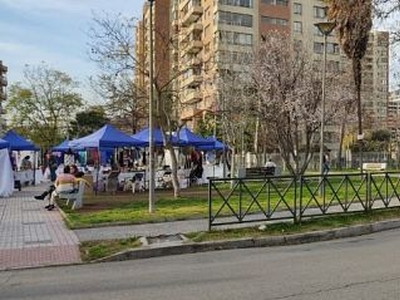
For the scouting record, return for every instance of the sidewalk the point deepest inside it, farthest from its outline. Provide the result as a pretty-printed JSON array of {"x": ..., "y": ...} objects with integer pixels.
[{"x": 31, "y": 236}]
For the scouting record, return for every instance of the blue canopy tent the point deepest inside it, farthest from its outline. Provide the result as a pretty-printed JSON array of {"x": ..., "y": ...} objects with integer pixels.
[
  {"x": 59, "y": 150},
  {"x": 106, "y": 137},
  {"x": 188, "y": 138},
  {"x": 18, "y": 143},
  {"x": 65, "y": 146},
  {"x": 217, "y": 145},
  {"x": 143, "y": 136}
]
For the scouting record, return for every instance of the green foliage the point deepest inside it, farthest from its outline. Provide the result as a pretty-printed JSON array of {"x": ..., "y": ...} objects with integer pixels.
[
  {"x": 206, "y": 126},
  {"x": 42, "y": 106},
  {"x": 88, "y": 121},
  {"x": 378, "y": 140},
  {"x": 97, "y": 249}
]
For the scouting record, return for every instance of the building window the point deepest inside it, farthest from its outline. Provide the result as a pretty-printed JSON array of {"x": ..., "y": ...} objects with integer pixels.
[
  {"x": 297, "y": 9},
  {"x": 226, "y": 17},
  {"x": 242, "y": 3},
  {"x": 275, "y": 2},
  {"x": 332, "y": 48},
  {"x": 235, "y": 38},
  {"x": 298, "y": 27},
  {"x": 319, "y": 12},
  {"x": 274, "y": 21},
  {"x": 318, "y": 47}
]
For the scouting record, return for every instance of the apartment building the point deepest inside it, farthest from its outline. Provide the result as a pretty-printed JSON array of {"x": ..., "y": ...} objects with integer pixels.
[
  {"x": 161, "y": 44},
  {"x": 209, "y": 36},
  {"x": 3, "y": 95},
  {"x": 304, "y": 16},
  {"x": 393, "y": 111}
]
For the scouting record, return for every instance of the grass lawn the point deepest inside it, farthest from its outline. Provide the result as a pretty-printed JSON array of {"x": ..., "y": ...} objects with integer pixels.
[{"x": 127, "y": 208}]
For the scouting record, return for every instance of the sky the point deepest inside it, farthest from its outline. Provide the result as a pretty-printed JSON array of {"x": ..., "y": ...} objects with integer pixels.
[{"x": 54, "y": 32}]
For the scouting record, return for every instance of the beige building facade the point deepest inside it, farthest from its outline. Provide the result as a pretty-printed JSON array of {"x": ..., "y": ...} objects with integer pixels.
[{"x": 209, "y": 36}]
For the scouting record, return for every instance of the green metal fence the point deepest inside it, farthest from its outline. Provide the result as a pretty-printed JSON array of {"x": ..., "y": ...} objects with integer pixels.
[{"x": 242, "y": 200}]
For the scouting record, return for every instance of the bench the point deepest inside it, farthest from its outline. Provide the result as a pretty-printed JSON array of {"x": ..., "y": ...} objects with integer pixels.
[
  {"x": 373, "y": 166},
  {"x": 260, "y": 172},
  {"x": 75, "y": 197}
]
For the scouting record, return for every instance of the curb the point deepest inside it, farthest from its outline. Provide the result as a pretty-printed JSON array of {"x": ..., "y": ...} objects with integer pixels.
[{"x": 147, "y": 251}]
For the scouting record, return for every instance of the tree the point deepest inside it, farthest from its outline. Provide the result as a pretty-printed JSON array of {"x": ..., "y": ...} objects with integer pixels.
[
  {"x": 42, "y": 106},
  {"x": 288, "y": 86},
  {"x": 112, "y": 46},
  {"x": 88, "y": 121},
  {"x": 354, "y": 22}
]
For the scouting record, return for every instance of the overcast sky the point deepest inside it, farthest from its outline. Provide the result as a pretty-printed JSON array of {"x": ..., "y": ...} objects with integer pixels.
[{"x": 53, "y": 31}]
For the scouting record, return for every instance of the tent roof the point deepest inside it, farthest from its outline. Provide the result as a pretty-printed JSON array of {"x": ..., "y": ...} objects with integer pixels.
[
  {"x": 106, "y": 137},
  {"x": 143, "y": 136},
  {"x": 65, "y": 146},
  {"x": 217, "y": 145},
  {"x": 18, "y": 143},
  {"x": 188, "y": 138},
  {"x": 4, "y": 144}
]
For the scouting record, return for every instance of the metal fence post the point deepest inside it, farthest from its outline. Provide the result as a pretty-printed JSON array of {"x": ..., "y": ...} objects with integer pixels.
[
  {"x": 368, "y": 190},
  {"x": 209, "y": 204}
]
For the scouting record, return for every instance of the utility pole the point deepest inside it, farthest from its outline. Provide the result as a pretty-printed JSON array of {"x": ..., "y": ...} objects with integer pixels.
[
  {"x": 3, "y": 95},
  {"x": 151, "y": 117}
]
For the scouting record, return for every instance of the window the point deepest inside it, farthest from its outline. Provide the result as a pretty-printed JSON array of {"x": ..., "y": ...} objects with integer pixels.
[
  {"x": 275, "y": 2},
  {"x": 298, "y": 27},
  {"x": 297, "y": 9},
  {"x": 332, "y": 48},
  {"x": 226, "y": 17},
  {"x": 319, "y": 12},
  {"x": 235, "y": 38},
  {"x": 242, "y": 3},
  {"x": 318, "y": 47},
  {"x": 274, "y": 21}
]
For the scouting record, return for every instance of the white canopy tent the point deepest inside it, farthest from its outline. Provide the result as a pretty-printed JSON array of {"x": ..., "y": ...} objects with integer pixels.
[{"x": 6, "y": 174}]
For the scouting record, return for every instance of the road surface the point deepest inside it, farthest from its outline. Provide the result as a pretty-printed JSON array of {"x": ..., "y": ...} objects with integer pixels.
[{"x": 366, "y": 267}]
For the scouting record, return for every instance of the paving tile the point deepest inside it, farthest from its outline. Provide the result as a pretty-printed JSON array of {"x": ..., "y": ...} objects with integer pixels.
[{"x": 30, "y": 236}]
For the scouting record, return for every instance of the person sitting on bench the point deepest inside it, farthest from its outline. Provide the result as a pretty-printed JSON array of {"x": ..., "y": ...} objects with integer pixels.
[{"x": 65, "y": 183}]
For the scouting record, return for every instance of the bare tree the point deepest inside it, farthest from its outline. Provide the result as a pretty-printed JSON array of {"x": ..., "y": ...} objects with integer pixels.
[
  {"x": 112, "y": 46},
  {"x": 289, "y": 88}
]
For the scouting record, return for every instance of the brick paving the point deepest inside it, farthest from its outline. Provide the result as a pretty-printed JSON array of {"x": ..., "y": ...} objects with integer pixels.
[{"x": 31, "y": 236}]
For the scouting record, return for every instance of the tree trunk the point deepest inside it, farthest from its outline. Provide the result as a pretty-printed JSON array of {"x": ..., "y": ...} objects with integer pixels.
[
  {"x": 174, "y": 170},
  {"x": 342, "y": 131}
]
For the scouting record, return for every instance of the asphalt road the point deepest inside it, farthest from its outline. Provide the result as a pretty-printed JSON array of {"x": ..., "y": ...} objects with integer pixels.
[{"x": 366, "y": 267}]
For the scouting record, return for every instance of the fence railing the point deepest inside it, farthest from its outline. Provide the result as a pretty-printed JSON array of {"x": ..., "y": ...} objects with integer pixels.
[{"x": 242, "y": 200}]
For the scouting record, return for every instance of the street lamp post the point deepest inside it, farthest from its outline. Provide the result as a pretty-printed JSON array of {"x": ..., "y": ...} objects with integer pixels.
[
  {"x": 325, "y": 28},
  {"x": 151, "y": 102}
]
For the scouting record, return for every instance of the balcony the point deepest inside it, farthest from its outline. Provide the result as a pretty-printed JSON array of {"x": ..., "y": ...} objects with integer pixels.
[
  {"x": 193, "y": 80},
  {"x": 3, "y": 81},
  {"x": 192, "y": 96},
  {"x": 3, "y": 96},
  {"x": 191, "y": 12},
  {"x": 195, "y": 28},
  {"x": 190, "y": 113},
  {"x": 192, "y": 47}
]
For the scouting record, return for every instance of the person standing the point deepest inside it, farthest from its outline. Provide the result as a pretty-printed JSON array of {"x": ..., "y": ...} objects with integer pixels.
[{"x": 325, "y": 163}]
